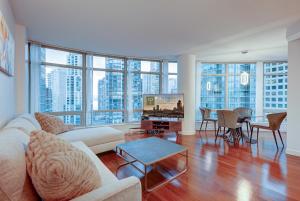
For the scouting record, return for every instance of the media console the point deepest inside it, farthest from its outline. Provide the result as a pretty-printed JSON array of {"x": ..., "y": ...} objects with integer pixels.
[{"x": 157, "y": 125}]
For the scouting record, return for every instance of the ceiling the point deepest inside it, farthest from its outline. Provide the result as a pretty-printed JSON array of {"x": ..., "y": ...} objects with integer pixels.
[{"x": 211, "y": 29}]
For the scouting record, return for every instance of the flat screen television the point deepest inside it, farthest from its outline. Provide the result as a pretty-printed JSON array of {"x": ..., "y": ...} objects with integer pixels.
[{"x": 163, "y": 105}]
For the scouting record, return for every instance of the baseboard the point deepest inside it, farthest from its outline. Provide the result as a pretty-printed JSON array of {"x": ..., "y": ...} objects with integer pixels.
[
  {"x": 292, "y": 152},
  {"x": 187, "y": 132}
]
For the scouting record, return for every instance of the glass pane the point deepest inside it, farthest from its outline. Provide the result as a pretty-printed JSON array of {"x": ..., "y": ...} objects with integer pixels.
[
  {"x": 275, "y": 87},
  {"x": 242, "y": 86},
  {"x": 276, "y": 67},
  {"x": 137, "y": 85},
  {"x": 238, "y": 69},
  {"x": 172, "y": 84},
  {"x": 108, "y": 90},
  {"x": 213, "y": 69},
  {"x": 213, "y": 92},
  {"x": 172, "y": 67},
  {"x": 60, "y": 89},
  {"x": 105, "y": 62},
  {"x": 135, "y": 117},
  {"x": 61, "y": 57},
  {"x": 71, "y": 119},
  {"x": 107, "y": 118},
  {"x": 144, "y": 66}
]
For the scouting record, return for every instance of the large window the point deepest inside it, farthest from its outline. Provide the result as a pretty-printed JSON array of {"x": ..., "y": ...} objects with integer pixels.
[
  {"x": 90, "y": 89},
  {"x": 227, "y": 86},
  {"x": 143, "y": 78},
  {"x": 213, "y": 88},
  {"x": 172, "y": 77},
  {"x": 108, "y": 89},
  {"x": 275, "y": 86},
  {"x": 60, "y": 84}
]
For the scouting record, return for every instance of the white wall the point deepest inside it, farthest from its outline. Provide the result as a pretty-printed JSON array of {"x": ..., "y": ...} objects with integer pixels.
[
  {"x": 7, "y": 84},
  {"x": 21, "y": 71},
  {"x": 293, "y": 136}
]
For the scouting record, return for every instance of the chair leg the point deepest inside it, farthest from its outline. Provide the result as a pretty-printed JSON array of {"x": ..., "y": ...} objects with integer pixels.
[
  {"x": 257, "y": 135},
  {"x": 215, "y": 125},
  {"x": 275, "y": 139},
  {"x": 201, "y": 126},
  {"x": 206, "y": 125},
  {"x": 242, "y": 136},
  {"x": 280, "y": 137},
  {"x": 217, "y": 134},
  {"x": 251, "y": 129},
  {"x": 247, "y": 124}
]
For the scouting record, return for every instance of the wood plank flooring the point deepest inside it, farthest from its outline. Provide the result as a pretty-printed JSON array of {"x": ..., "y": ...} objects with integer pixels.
[{"x": 219, "y": 171}]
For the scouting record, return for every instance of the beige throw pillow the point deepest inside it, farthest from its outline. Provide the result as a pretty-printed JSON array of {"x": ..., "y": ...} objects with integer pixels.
[
  {"x": 52, "y": 124},
  {"x": 15, "y": 184},
  {"x": 58, "y": 170}
]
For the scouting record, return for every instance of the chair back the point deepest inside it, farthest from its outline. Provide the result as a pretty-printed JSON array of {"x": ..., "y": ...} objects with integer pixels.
[
  {"x": 221, "y": 120},
  {"x": 230, "y": 118},
  {"x": 244, "y": 112},
  {"x": 276, "y": 119},
  {"x": 205, "y": 113}
]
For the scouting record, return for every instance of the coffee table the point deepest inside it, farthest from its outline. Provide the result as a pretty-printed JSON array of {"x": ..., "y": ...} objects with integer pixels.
[{"x": 148, "y": 152}]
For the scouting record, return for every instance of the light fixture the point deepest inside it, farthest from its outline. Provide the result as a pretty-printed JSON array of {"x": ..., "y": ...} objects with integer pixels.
[
  {"x": 208, "y": 86},
  {"x": 244, "y": 78},
  {"x": 244, "y": 52}
]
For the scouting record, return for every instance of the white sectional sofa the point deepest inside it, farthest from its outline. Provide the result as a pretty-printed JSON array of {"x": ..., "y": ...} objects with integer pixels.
[
  {"x": 98, "y": 139},
  {"x": 91, "y": 141}
]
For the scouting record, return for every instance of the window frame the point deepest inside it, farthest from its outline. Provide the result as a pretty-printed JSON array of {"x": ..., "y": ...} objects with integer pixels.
[
  {"x": 85, "y": 68},
  {"x": 226, "y": 74},
  {"x": 168, "y": 74},
  {"x": 284, "y": 95}
]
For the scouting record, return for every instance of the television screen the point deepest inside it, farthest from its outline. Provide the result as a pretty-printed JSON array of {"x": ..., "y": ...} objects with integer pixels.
[{"x": 163, "y": 105}]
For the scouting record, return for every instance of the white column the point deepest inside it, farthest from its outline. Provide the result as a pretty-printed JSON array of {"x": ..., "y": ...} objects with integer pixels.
[
  {"x": 293, "y": 137},
  {"x": 293, "y": 110},
  {"x": 259, "y": 108},
  {"x": 186, "y": 85},
  {"x": 21, "y": 71}
]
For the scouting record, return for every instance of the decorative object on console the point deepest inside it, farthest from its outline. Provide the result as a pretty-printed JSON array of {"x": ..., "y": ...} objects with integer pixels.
[
  {"x": 52, "y": 124},
  {"x": 54, "y": 164},
  {"x": 7, "y": 48}
]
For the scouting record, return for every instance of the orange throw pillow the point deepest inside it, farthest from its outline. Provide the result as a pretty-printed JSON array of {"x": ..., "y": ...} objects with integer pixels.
[
  {"x": 58, "y": 170},
  {"x": 52, "y": 124}
]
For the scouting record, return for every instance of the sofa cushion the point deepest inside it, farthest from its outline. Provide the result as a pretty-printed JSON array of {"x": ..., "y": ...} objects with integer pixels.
[
  {"x": 107, "y": 177},
  {"x": 32, "y": 119},
  {"x": 15, "y": 184},
  {"x": 93, "y": 136},
  {"x": 51, "y": 123},
  {"x": 21, "y": 124},
  {"x": 59, "y": 171}
]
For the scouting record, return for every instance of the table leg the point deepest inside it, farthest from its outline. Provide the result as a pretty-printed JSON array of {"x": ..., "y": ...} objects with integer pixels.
[{"x": 145, "y": 176}]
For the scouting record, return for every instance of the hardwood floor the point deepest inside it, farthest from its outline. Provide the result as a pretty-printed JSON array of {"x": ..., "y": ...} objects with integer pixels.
[{"x": 218, "y": 171}]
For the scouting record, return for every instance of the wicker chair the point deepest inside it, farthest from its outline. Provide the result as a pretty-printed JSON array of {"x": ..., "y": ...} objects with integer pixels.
[
  {"x": 205, "y": 113},
  {"x": 221, "y": 124},
  {"x": 244, "y": 116},
  {"x": 231, "y": 122},
  {"x": 275, "y": 121}
]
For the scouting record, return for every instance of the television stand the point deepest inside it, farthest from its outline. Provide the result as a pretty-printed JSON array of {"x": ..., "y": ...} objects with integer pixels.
[{"x": 155, "y": 126}]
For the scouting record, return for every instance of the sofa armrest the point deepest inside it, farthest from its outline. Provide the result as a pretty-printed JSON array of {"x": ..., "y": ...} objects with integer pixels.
[{"x": 128, "y": 189}]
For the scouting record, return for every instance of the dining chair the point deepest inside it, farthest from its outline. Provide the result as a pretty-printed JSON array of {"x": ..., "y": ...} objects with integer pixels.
[
  {"x": 231, "y": 122},
  {"x": 275, "y": 121},
  {"x": 244, "y": 116},
  {"x": 205, "y": 113},
  {"x": 221, "y": 124}
]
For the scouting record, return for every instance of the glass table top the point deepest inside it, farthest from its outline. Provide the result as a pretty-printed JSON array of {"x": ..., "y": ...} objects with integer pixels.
[{"x": 151, "y": 150}]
